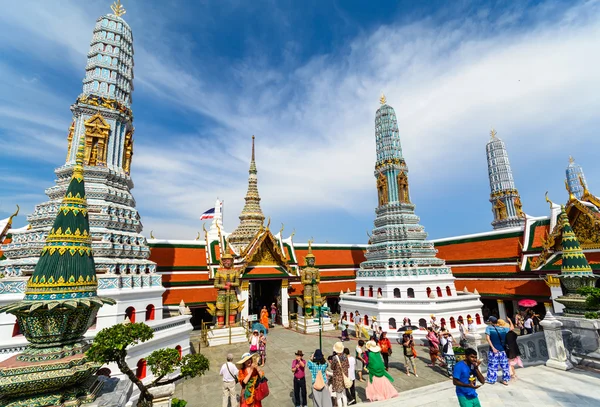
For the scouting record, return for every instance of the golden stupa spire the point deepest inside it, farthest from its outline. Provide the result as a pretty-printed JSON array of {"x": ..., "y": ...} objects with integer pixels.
[
  {"x": 493, "y": 133},
  {"x": 382, "y": 99},
  {"x": 118, "y": 9}
]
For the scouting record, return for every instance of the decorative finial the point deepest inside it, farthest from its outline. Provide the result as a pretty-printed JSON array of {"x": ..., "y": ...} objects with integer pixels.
[
  {"x": 14, "y": 214},
  {"x": 585, "y": 190},
  {"x": 118, "y": 9},
  {"x": 253, "y": 148},
  {"x": 493, "y": 133},
  {"x": 152, "y": 235},
  {"x": 310, "y": 242},
  {"x": 571, "y": 196},
  {"x": 281, "y": 231},
  {"x": 293, "y": 233},
  {"x": 198, "y": 237},
  {"x": 571, "y": 160},
  {"x": 382, "y": 99},
  {"x": 268, "y": 223},
  {"x": 548, "y": 200}
]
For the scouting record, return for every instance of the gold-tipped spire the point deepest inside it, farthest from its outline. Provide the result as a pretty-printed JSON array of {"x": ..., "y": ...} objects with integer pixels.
[
  {"x": 310, "y": 253},
  {"x": 571, "y": 196},
  {"x": 118, "y": 9},
  {"x": 571, "y": 160},
  {"x": 493, "y": 133},
  {"x": 253, "y": 147},
  {"x": 382, "y": 99}
]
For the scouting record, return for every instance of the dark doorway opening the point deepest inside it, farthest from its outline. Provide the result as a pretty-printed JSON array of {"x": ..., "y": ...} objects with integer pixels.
[
  {"x": 263, "y": 293},
  {"x": 199, "y": 315}
]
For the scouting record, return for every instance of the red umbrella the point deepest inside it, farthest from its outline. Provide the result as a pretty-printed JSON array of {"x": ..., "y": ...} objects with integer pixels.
[{"x": 527, "y": 303}]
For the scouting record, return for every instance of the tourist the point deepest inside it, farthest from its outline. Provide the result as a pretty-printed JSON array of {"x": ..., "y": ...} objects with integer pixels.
[
  {"x": 229, "y": 373},
  {"x": 299, "y": 369},
  {"x": 379, "y": 385},
  {"x": 375, "y": 327},
  {"x": 520, "y": 323},
  {"x": 351, "y": 392},
  {"x": 528, "y": 324},
  {"x": 410, "y": 354},
  {"x": 273, "y": 314},
  {"x": 512, "y": 351},
  {"x": 248, "y": 376},
  {"x": 434, "y": 348},
  {"x": 345, "y": 325},
  {"x": 262, "y": 348},
  {"x": 465, "y": 376},
  {"x": 386, "y": 348},
  {"x": 339, "y": 367},
  {"x": 496, "y": 338},
  {"x": 447, "y": 342},
  {"x": 361, "y": 356},
  {"x": 536, "y": 322},
  {"x": 471, "y": 325},
  {"x": 264, "y": 317},
  {"x": 434, "y": 324},
  {"x": 318, "y": 371},
  {"x": 254, "y": 341},
  {"x": 463, "y": 336}
]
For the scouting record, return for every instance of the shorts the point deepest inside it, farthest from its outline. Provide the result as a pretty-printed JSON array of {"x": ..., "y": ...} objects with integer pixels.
[{"x": 463, "y": 401}]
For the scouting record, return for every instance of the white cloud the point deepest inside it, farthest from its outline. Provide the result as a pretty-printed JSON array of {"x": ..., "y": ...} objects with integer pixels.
[{"x": 449, "y": 84}]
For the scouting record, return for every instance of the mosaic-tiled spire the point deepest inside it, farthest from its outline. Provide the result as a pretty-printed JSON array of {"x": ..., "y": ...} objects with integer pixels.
[
  {"x": 251, "y": 218},
  {"x": 66, "y": 268},
  {"x": 505, "y": 199},
  {"x": 574, "y": 262},
  {"x": 576, "y": 179}
]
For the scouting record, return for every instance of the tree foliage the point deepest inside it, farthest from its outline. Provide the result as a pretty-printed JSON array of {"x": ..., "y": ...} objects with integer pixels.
[
  {"x": 110, "y": 345},
  {"x": 592, "y": 294}
]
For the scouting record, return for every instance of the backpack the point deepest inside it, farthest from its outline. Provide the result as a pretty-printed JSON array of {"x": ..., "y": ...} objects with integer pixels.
[{"x": 445, "y": 348}]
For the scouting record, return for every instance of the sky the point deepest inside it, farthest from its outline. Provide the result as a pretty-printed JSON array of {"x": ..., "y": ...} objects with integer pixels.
[{"x": 305, "y": 79}]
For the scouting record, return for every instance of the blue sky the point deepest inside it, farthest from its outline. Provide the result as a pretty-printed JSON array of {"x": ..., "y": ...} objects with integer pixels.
[{"x": 305, "y": 78}]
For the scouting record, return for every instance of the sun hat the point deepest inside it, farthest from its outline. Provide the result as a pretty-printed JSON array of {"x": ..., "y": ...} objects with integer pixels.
[
  {"x": 409, "y": 331},
  {"x": 374, "y": 318},
  {"x": 245, "y": 357},
  {"x": 299, "y": 353},
  {"x": 338, "y": 347},
  {"x": 432, "y": 316},
  {"x": 372, "y": 347}
]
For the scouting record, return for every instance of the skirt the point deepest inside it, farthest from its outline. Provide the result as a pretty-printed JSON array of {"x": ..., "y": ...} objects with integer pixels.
[
  {"x": 516, "y": 362},
  {"x": 322, "y": 398},
  {"x": 380, "y": 389}
]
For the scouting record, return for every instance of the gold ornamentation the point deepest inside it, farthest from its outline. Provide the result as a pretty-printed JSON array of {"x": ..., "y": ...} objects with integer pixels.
[
  {"x": 284, "y": 283},
  {"x": 500, "y": 210},
  {"x": 281, "y": 231},
  {"x": 382, "y": 189},
  {"x": 548, "y": 200},
  {"x": 382, "y": 99},
  {"x": 245, "y": 285},
  {"x": 152, "y": 235},
  {"x": 552, "y": 281},
  {"x": 519, "y": 207},
  {"x": 402, "y": 180},
  {"x": 263, "y": 257},
  {"x": 128, "y": 151},
  {"x": 70, "y": 138},
  {"x": 118, "y": 9},
  {"x": 493, "y": 133},
  {"x": 96, "y": 140},
  {"x": 571, "y": 160},
  {"x": 571, "y": 196},
  {"x": 585, "y": 190}
]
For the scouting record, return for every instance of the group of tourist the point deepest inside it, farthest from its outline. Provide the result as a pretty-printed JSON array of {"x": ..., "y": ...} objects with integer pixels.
[
  {"x": 248, "y": 373},
  {"x": 527, "y": 322},
  {"x": 265, "y": 320}
]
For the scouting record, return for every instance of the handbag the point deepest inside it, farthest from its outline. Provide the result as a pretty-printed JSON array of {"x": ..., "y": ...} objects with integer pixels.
[
  {"x": 319, "y": 383},
  {"x": 262, "y": 389},
  {"x": 234, "y": 377},
  {"x": 347, "y": 382},
  {"x": 414, "y": 352}
]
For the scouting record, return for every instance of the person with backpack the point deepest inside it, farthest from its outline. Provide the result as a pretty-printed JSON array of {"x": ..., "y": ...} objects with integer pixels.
[
  {"x": 386, "y": 349},
  {"x": 496, "y": 338},
  {"x": 318, "y": 371},
  {"x": 447, "y": 342},
  {"x": 465, "y": 376}
]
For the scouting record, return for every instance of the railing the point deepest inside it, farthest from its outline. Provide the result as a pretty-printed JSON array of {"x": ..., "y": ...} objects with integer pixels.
[
  {"x": 292, "y": 319},
  {"x": 204, "y": 330},
  {"x": 533, "y": 349}
]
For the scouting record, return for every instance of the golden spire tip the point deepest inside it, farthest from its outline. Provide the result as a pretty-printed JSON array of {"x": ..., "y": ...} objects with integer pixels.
[
  {"x": 571, "y": 160},
  {"x": 252, "y": 147},
  {"x": 118, "y": 9},
  {"x": 382, "y": 99},
  {"x": 493, "y": 133}
]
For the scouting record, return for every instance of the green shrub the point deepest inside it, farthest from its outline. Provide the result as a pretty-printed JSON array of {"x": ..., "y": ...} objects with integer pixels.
[
  {"x": 592, "y": 315},
  {"x": 592, "y": 294},
  {"x": 458, "y": 350},
  {"x": 178, "y": 403}
]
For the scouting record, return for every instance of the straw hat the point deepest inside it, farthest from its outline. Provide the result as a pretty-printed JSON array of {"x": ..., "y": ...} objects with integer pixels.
[
  {"x": 372, "y": 347},
  {"x": 245, "y": 357},
  {"x": 408, "y": 332},
  {"x": 374, "y": 318},
  {"x": 338, "y": 347},
  {"x": 469, "y": 319}
]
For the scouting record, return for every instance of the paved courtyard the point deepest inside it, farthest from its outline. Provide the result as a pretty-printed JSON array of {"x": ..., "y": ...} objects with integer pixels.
[
  {"x": 205, "y": 391},
  {"x": 536, "y": 386}
]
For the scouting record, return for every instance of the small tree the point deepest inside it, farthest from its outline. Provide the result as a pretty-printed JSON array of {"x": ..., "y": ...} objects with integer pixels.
[{"x": 110, "y": 345}]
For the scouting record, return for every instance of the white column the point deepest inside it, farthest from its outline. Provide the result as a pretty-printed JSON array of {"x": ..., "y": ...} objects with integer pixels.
[
  {"x": 284, "y": 302},
  {"x": 244, "y": 297},
  {"x": 501, "y": 309},
  {"x": 557, "y": 354},
  {"x": 555, "y": 292}
]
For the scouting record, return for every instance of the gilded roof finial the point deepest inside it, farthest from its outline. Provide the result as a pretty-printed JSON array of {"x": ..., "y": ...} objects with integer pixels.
[
  {"x": 571, "y": 160},
  {"x": 585, "y": 190},
  {"x": 382, "y": 99},
  {"x": 152, "y": 235},
  {"x": 493, "y": 133},
  {"x": 548, "y": 200},
  {"x": 571, "y": 196},
  {"x": 118, "y": 9},
  {"x": 281, "y": 231},
  {"x": 14, "y": 214},
  {"x": 268, "y": 223}
]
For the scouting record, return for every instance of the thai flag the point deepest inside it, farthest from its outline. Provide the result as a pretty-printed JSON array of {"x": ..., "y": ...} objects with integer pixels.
[{"x": 209, "y": 214}]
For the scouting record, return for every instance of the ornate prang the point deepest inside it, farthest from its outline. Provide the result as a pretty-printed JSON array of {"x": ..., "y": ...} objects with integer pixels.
[
  {"x": 504, "y": 197},
  {"x": 576, "y": 179}
]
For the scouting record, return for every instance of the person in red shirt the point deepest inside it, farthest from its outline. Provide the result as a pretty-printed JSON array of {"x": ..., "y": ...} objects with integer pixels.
[
  {"x": 386, "y": 348},
  {"x": 298, "y": 367}
]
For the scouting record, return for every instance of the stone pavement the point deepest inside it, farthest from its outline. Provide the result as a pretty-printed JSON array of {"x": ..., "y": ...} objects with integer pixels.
[
  {"x": 537, "y": 386},
  {"x": 205, "y": 391}
]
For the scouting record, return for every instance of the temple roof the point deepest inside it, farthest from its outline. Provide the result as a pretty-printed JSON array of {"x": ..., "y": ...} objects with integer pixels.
[
  {"x": 574, "y": 262},
  {"x": 251, "y": 218}
]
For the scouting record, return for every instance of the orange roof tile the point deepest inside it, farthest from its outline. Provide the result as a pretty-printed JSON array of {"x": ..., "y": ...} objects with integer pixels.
[
  {"x": 485, "y": 249},
  {"x": 190, "y": 296},
  {"x": 514, "y": 287},
  {"x": 540, "y": 232},
  {"x": 178, "y": 256},
  {"x": 484, "y": 269},
  {"x": 333, "y": 256}
]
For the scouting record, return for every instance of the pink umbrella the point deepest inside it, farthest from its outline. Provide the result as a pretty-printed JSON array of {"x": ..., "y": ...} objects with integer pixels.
[{"x": 527, "y": 303}]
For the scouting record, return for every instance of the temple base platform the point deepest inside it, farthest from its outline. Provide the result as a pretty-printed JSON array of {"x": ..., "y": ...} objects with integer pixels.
[
  {"x": 308, "y": 325},
  {"x": 226, "y": 336}
]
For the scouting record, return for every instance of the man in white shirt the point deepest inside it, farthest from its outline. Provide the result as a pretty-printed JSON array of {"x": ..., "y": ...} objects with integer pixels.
[
  {"x": 229, "y": 373},
  {"x": 351, "y": 392},
  {"x": 529, "y": 324},
  {"x": 447, "y": 342},
  {"x": 375, "y": 327}
]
